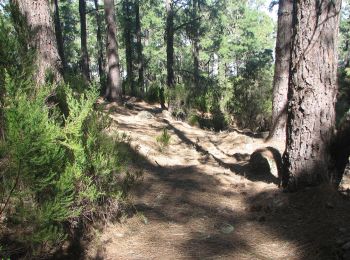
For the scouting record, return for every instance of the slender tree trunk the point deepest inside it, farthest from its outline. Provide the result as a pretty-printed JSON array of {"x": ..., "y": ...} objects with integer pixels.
[
  {"x": 281, "y": 77},
  {"x": 195, "y": 44},
  {"x": 169, "y": 35},
  {"x": 311, "y": 93},
  {"x": 83, "y": 42},
  {"x": 128, "y": 46},
  {"x": 40, "y": 22},
  {"x": 139, "y": 46},
  {"x": 113, "y": 90},
  {"x": 170, "y": 43},
  {"x": 58, "y": 31},
  {"x": 99, "y": 41}
]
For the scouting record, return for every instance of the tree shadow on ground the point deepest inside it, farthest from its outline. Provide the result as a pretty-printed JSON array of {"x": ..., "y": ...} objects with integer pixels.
[
  {"x": 242, "y": 168},
  {"x": 201, "y": 219}
]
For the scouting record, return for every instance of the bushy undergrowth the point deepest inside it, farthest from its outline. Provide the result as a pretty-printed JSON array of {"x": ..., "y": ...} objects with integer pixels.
[{"x": 61, "y": 168}]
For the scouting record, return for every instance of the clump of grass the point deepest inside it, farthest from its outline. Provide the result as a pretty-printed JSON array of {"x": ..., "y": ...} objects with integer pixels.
[{"x": 163, "y": 140}]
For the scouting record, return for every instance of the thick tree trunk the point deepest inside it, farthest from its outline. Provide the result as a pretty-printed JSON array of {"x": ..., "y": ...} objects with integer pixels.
[
  {"x": 281, "y": 77},
  {"x": 312, "y": 93},
  {"x": 58, "y": 31},
  {"x": 40, "y": 22},
  {"x": 83, "y": 42},
  {"x": 113, "y": 90},
  {"x": 139, "y": 46},
  {"x": 99, "y": 41},
  {"x": 128, "y": 46}
]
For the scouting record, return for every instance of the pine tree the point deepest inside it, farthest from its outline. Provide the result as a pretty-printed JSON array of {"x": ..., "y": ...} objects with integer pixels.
[
  {"x": 312, "y": 93},
  {"x": 113, "y": 91},
  {"x": 40, "y": 23}
]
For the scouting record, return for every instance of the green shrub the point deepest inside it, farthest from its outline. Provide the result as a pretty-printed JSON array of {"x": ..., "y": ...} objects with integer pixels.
[
  {"x": 193, "y": 120},
  {"x": 62, "y": 168},
  {"x": 163, "y": 140},
  {"x": 152, "y": 94}
]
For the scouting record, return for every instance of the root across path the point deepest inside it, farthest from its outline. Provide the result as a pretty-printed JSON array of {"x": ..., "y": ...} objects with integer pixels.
[{"x": 201, "y": 198}]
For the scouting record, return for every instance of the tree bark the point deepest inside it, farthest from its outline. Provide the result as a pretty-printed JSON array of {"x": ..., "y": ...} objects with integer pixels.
[
  {"x": 169, "y": 31},
  {"x": 281, "y": 76},
  {"x": 99, "y": 41},
  {"x": 169, "y": 37},
  {"x": 84, "y": 59},
  {"x": 128, "y": 46},
  {"x": 113, "y": 90},
  {"x": 139, "y": 47},
  {"x": 58, "y": 30},
  {"x": 311, "y": 93},
  {"x": 41, "y": 25}
]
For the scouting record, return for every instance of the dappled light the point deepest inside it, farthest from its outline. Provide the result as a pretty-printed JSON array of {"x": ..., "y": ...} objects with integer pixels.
[
  {"x": 175, "y": 129},
  {"x": 201, "y": 198}
]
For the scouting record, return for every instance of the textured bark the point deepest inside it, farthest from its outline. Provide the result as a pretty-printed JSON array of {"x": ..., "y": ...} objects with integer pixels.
[
  {"x": 84, "y": 59},
  {"x": 311, "y": 93},
  {"x": 281, "y": 77},
  {"x": 169, "y": 35},
  {"x": 128, "y": 46},
  {"x": 139, "y": 46},
  {"x": 169, "y": 31},
  {"x": 58, "y": 31},
  {"x": 113, "y": 90},
  {"x": 99, "y": 41},
  {"x": 41, "y": 25}
]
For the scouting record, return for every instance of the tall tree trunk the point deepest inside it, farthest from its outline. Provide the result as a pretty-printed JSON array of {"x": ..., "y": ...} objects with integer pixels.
[
  {"x": 282, "y": 62},
  {"x": 170, "y": 43},
  {"x": 128, "y": 46},
  {"x": 139, "y": 46},
  {"x": 113, "y": 90},
  {"x": 40, "y": 22},
  {"x": 195, "y": 43},
  {"x": 311, "y": 93},
  {"x": 83, "y": 41},
  {"x": 169, "y": 35},
  {"x": 99, "y": 42},
  {"x": 58, "y": 31}
]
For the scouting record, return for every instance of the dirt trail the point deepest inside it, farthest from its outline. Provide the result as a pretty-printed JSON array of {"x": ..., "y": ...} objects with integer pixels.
[{"x": 200, "y": 199}]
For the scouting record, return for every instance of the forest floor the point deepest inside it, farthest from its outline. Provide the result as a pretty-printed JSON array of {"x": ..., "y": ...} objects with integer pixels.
[{"x": 200, "y": 198}]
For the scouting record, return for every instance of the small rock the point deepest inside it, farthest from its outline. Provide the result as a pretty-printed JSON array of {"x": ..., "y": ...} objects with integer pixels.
[
  {"x": 227, "y": 229},
  {"x": 346, "y": 246},
  {"x": 145, "y": 115}
]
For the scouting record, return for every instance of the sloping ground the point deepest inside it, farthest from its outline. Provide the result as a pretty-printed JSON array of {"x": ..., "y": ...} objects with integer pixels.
[{"x": 202, "y": 199}]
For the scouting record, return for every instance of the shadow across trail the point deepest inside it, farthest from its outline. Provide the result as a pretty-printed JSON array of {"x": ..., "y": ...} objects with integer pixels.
[
  {"x": 186, "y": 213},
  {"x": 201, "y": 200},
  {"x": 243, "y": 167}
]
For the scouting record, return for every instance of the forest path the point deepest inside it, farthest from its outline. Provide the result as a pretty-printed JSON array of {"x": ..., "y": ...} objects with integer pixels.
[{"x": 200, "y": 199}]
